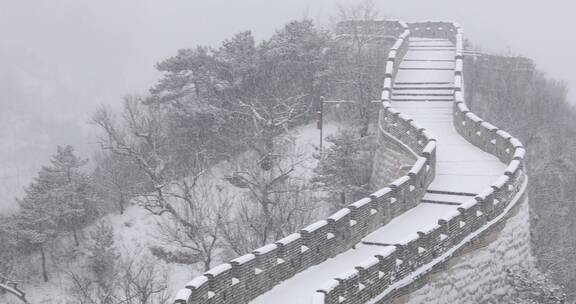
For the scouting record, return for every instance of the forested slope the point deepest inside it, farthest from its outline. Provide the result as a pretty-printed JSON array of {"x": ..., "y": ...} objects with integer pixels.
[{"x": 516, "y": 96}]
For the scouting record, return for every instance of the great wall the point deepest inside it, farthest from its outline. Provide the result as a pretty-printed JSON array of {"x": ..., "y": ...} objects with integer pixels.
[{"x": 466, "y": 181}]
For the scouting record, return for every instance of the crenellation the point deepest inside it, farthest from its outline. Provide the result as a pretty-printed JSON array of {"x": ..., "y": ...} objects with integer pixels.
[{"x": 249, "y": 276}]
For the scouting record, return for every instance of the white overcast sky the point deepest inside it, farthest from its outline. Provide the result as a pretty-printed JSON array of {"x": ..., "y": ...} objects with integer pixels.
[{"x": 59, "y": 59}]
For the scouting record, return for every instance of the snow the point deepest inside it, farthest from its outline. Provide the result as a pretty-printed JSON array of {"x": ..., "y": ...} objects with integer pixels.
[
  {"x": 289, "y": 239},
  {"x": 513, "y": 166},
  {"x": 315, "y": 226},
  {"x": 381, "y": 192},
  {"x": 266, "y": 248},
  {"x": 420, "y": 163},
  {"x": 197, "y": 281},
  {"x": 499, "y": 183},
  {"x": 360, "y": 203},
  {"x": 504, "y": 134},
  {"x": 371, "y": 262},
  {"x": 409, "y": 223},
  {"x": 398, "y": 182},
  {"x": 340, "y": 214},
  {"x": 480, "y": 273},
  {"x": 330, "y": 285},
  {"x": 461, "y": 167},
  {"x": 244, "y": 259},
  {"x": 301, "y": 288},
  {"x": 519, "y": 153},
  {"x": 515, "y": 142},
  {"x": 449, "y": 198},
  {"x": 219, "y": 269},
  {"x": 135, "y": 230},
  {"x": 183, "y": 294}
]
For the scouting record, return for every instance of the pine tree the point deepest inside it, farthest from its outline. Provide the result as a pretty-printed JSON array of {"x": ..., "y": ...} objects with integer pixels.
[
  {"x": 103, "y": 255},
  {"x": 57, "y": 200},
  {"x": 74, "y": 192},
  {"x": 344, "y": 168}
]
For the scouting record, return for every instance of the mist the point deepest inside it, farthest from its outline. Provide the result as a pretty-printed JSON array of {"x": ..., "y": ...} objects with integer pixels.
[{"x": 60, "y": 59}]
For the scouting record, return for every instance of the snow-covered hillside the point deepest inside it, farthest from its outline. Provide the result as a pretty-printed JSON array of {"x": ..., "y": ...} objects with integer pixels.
[{"x": 135, "y": 230}]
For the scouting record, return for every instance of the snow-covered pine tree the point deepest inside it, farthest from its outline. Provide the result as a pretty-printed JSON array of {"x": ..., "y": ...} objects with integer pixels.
[
  {"x": 57, "y": 200},
  {"x": 75, "y": 202},
  {"x": 103, "y": 255},
  {"x": 36, "y": 222},
  {"x": 344, "y": 169}
]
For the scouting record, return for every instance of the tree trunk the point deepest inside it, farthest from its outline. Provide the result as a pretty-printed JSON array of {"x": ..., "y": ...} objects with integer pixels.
[
  {"x": 75, "y": 234},
  {"x": 268, "y": 218},
  {"x": 207, "y": 263},
  {"x": 43, "y": 260},
  {"x": 365, "y": 118},
  {"x": 121, "y": 203},
  {"x": 343, "y": 198}
]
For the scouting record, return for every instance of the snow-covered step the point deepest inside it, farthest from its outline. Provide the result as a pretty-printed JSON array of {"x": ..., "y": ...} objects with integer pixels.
[
  {"x": 431, "y": 44},
  {"x": 461, "y": 167},
  {"x": 424, "y": 112},
  {"x": 426, "y": 69},
  {"x": 424, "y": 46},
  {"x": 425, "y": 39},
  {"x": 429, "y": 48},
  {"x": 429, "y": 55},
  {"x": 423, "y": 91},
  {"x": 427, "y": 65},
  {"x": 446, "y": 198},
  {"x": 424, "y": 76},
  {"x": 419, "y": 93},
  {"x": 422, "y": 98}
]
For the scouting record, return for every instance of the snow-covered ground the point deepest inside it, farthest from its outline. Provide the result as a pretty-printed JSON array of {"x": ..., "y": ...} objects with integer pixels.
[{"x": 135, "y": 230}]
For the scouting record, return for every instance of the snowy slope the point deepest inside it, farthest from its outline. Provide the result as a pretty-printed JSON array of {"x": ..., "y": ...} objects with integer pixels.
[{"x": 135, "y": 229}]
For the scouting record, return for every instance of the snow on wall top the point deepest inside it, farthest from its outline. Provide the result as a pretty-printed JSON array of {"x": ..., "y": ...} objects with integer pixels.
[{"x": 337, "y": 236}]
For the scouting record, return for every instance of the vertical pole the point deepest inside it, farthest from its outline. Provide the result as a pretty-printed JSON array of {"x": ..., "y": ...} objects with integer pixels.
[{"x": 320, "y": 114}]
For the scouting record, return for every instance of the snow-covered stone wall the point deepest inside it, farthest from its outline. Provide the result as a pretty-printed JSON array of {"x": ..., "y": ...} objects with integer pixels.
[
  {"x": 402, "y": 270},
  {"x": 392, "y": 159},
  {"x": 407, "y": 265},
  {"x": 478, "y": 274},
  {"x": 249, "y": 276}
]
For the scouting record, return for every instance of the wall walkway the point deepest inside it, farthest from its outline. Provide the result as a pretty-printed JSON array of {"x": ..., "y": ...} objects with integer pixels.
[{"x": 466, "y": 177}]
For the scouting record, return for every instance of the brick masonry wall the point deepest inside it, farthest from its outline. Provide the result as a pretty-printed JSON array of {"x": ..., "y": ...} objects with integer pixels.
[
  {"x": 246, "y": 277},
  {"x": 404, "y": 267},
  {"x": 392, "y": 159},
  {"x": 478, "y": 274},
  {"x": 407, "y": 267}
]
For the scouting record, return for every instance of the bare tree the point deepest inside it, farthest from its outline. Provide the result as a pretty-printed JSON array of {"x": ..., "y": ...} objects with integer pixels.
[
  {"x": 277, "y": 199},
  {"x": 356, "y": 59},
  {"x": 135, "y": 280},
  {"x": 196, "y": 235},
  {"x": 292, "y": 209},
  {"x": 188, "y": 219},
  {"x": 143, "y": 281},
  {"x": 11, "y": 286},
  {"x": 117, "y": 179},
  {"x": 271, "y": 118},
  {"x": 140, "y": 138}
]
